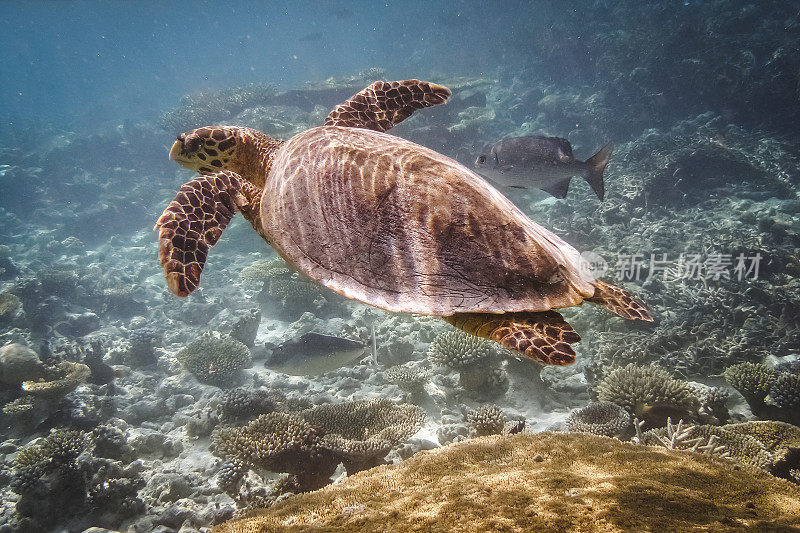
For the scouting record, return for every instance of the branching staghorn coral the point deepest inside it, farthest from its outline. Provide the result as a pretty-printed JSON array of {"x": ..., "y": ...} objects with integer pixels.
[{"x": 738, "y": 445}]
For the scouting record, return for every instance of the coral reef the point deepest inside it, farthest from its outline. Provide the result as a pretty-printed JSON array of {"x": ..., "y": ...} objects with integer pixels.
[
  {"x": 780, "y": 439},
  {"x": 649, "y": 393},
  {"x": 702, "y": 175},
  {"x": 713, "y": 404},
  {"x": 59, "y": 477},
  {"x": 752, "y": 380},
  {"x": 409, "y": 379},
  {"x": 277, "y": 442},
  {"x": 287, "y": 289},
  {"x": 769, "y": 445},
  {"x": 212, "y": 107},
  {"x": 362, "y": 432},
  {"x": 770, "y": 394},
  {"x": 560, "y": 482},
  {"x": 600, "y": 418},
  {"x": 785, "y": 391},
  {"x": 245, "y": 327},
  {"x": 310, "y": 444},
  {"x": 215, "y": 359},
  {"x": 141, "y": 351},
  {"x": 244, "y": 404},
  {"x": 58, "y": 381},
  {"x": 487, "y": 420},
  {"x": 19, "y": 363},
  {"x": 477, "y": 360}
]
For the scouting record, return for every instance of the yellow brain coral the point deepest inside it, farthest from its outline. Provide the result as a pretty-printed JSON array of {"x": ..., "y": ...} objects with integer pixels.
[{"x": 542, "y": 482}]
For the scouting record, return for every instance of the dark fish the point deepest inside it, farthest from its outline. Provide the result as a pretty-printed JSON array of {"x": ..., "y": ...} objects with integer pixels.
[
  {"x": 102, "y": 373},
  {"x": 542, "y": 162},
  {"x": 656, "y": 415},
  {"x": 314, "y": 354}
]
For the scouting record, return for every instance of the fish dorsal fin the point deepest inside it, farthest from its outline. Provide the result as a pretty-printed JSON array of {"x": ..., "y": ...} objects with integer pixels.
[
  {"x": 558, "y": 189},
  {"x": 384, "y": 104}
]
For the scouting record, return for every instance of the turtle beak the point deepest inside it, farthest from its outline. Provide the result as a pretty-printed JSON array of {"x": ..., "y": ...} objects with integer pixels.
[{"x": 175, "y": 151}]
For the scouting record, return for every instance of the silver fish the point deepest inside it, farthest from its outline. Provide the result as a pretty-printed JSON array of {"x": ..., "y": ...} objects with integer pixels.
[
  {"x": 314, "y": 354},
  {"x": 546, "y": 163}
]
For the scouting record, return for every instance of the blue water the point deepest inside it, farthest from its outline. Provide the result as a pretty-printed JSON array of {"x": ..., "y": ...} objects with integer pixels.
[
  {"x": 699, "y": 99},
  {"x": 94, "y": 62}
]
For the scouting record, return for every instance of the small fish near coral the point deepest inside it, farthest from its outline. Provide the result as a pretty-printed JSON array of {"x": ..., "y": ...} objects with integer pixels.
[
  {"x": 541, "y": 162},
  {"x": 405, "y": 229},
  {"x": 313, "y": 354}
]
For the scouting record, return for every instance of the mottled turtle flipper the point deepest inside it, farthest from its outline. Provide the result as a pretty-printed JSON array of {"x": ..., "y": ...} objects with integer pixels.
[
  {"x": 385, "y": 104},
  {"x": 619, "y": 301},
  {"x": 193, "y": 223},
  {"x": 543, "y": 336}
]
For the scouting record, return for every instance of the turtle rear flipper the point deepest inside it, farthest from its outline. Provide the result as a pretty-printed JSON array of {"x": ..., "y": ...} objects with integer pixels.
[
  {"x": 619, "y": 301},
  {"x": 193, "y": 223},
  {"x": 385, "y": 104},
  {"x": 542, "y": 336}
]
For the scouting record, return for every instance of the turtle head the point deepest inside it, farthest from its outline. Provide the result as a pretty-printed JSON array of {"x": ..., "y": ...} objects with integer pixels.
[
  {"x": 244, "y": 151},
  {"x": 206, "y": 150}
]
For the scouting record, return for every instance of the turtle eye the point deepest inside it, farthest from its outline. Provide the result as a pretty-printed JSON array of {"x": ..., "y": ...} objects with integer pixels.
[
  {"x": 482, "y": 159},
  {"x": 191, "y": 145}
]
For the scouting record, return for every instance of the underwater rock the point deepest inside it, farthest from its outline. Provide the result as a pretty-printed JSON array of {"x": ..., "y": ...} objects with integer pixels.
[
  {"x": 19, "y": 363},
  {"x": 151, "y": 443},
  {"x": 10, "y": 308},
  {"x": 78, "y": 324},
  {"x": 245, "y": 326},
  {"x": 561, "y": 482}
]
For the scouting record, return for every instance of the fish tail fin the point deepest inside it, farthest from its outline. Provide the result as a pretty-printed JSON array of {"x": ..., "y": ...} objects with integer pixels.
[{"x": 596, "y": 165}]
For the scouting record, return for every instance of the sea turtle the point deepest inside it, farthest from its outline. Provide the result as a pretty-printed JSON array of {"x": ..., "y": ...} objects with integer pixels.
[{"x": 385, "y": 221}]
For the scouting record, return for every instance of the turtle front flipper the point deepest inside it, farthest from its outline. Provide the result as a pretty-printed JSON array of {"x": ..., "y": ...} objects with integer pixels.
[
  {"x": 385, "y": 104},
  {"x": 543, "y": 336},
  {"x": 193, "y": 223},
  {"x": 619, "y": 301}
]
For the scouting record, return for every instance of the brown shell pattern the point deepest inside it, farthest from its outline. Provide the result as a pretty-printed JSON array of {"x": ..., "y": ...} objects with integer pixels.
[
  {"x": 192, "y": 223},
  {"x": 401, "y": 227}
]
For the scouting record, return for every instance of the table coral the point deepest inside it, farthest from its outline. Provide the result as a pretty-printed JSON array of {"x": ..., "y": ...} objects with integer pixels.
[{"x": 542, "y": 482}]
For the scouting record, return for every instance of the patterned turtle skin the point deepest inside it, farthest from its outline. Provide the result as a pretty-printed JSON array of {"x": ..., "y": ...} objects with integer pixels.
[{"x": 387, "y": 222}]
